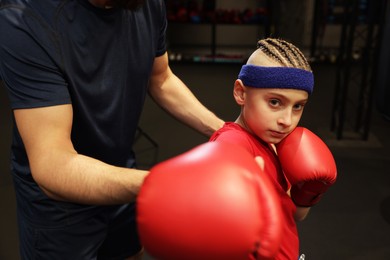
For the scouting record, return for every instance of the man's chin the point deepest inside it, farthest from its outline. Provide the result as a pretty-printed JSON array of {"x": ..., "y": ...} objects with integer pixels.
[{"x": 127, "y": 4}]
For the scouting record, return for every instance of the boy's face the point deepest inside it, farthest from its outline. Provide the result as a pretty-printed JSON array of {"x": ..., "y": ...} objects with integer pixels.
[{"x": 270, "y": 114}]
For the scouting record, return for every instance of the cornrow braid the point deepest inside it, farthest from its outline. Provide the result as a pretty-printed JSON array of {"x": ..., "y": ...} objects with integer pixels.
[{"x": 284, "y": 53}]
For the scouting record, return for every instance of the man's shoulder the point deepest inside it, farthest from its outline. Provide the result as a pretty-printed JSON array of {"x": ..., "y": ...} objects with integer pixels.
[{"x": 23, "y": 12}]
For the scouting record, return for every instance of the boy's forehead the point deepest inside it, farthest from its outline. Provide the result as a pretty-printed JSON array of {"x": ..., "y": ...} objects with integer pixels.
[
  {"x": 286, "y": 96},
  {"x": 295, "y": 95}
]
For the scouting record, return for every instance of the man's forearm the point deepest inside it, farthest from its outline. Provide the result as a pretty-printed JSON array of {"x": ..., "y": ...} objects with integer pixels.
[
  {"x": 175, "y": 97},
  {"x": 81, "y": 179}
]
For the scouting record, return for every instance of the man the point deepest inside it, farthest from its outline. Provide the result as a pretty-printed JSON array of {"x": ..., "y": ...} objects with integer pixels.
[{"x": 77, "y": 72}]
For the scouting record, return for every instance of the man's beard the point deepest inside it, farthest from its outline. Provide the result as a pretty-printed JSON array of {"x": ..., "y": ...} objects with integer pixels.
[{"x": 127, "y": 4}]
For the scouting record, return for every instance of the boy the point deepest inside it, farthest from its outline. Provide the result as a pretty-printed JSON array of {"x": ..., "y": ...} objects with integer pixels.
[{"x": 272, "y": 90}]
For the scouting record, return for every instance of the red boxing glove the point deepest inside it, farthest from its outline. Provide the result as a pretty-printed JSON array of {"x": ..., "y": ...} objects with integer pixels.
[
  {"x": 212, "y": 202},
  {"x": 308, "y": 164}
]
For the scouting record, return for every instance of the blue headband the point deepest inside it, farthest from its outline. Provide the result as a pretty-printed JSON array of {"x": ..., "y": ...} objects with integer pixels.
[{"x": 276, "y": 77}]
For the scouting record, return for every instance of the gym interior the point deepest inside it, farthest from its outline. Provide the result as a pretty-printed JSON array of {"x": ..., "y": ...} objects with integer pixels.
[{"x": 346, "y": 43}]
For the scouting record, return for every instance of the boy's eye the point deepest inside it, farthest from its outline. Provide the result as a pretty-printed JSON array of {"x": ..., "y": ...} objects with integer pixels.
[
  {"x": 274, "y": 102},
  {"x": 298, "y": 106}
]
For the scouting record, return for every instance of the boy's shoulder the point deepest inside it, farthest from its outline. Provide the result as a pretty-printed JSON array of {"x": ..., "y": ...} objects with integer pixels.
[{"x": 234, "y": 134}]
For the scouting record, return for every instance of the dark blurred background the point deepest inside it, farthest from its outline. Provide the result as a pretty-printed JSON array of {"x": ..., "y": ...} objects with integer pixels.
[{"x": 346, "y": 42}]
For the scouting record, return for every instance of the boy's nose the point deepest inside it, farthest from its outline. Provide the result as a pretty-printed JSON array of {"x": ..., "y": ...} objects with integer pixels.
[{"x": 285, "y": 118}]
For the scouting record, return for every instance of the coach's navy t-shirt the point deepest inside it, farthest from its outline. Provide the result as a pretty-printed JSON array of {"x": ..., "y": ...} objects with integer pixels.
[{"x": 56, "y": 52}]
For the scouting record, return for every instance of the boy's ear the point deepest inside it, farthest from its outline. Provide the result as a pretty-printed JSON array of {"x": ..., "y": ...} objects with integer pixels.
[{"x": 239, "y": 92}]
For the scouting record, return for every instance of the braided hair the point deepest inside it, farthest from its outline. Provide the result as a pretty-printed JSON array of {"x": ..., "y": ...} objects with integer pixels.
[{"x": 284, "y": 53}]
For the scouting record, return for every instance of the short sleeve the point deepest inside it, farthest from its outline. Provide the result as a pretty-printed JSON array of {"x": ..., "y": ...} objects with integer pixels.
[
  {"x": 161, "y": 48},
  {"x": 30, "y": 60}
]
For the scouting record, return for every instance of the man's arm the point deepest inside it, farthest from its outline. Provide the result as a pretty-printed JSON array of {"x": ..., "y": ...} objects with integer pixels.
[
  {"x": 174, "y": 96},
  {"x": 60, "y": 171}
]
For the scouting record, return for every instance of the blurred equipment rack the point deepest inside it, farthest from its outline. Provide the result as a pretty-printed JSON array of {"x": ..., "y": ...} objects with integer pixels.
[
  {"x": 206, "y": 13},
  {"x": 361, "y": 24}
]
